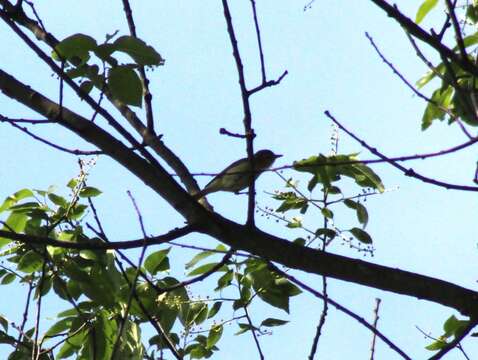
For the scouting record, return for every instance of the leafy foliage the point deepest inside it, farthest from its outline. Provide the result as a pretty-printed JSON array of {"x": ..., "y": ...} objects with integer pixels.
[
  {"x": 98, "y": 288},
  {"x": 328, "y": 171},
  {"x": 122, "y": 82}
]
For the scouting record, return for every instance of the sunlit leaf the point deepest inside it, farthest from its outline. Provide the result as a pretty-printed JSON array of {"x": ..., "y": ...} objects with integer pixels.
[
  {"x": 141, "y": 53},
  {"x": 125, "y": 85},
  {"x": 424, "y": 9},
  {"x": 361, "y": 235}
]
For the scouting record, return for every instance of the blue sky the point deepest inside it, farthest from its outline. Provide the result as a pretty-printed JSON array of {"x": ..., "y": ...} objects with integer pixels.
[{"x": 331, "y": 67}]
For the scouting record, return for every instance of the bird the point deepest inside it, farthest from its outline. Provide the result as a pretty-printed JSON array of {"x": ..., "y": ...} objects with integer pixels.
[{"x": 236, "y": 176}]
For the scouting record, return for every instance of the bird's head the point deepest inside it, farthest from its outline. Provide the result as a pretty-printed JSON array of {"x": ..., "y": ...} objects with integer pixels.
[{"x": 265, "y": 158}]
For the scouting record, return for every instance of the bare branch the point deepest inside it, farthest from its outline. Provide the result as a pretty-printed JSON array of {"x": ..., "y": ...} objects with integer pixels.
[
  {"x": 343, "y": 309},
  {"x": 409, "y": 172},
  {"x": 249, "y": 132},
  {"x": 154, "y": 240},
  {"x": 375, "y": 321}
]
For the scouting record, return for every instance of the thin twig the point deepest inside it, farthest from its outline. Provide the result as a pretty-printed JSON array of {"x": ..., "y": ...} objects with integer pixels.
[
  {"x": 268, "y": 83},
  {"x": 325, "y": 309},
  {"x": 97, "y": 245},
  {"x": 25, "y": 313},
  {"x": 36, "y": 349},
  {"x": 249, "y": 132},
  {"x": 418, "y": 32},
  {"x": 408, "y": 172},
  {"x": 343, "y": 309},
  {"x": 456, "y": 27},
  {"x": 251, "y": 326},
  {"x": 375, "y": 321},
  {"x": 55, "y": 146},
  {"x": 259, "y": 41},
  {"x": 404, "y": 80},
  {"x": 147, "y": 94},
  {"x": 124, "y": 317}
]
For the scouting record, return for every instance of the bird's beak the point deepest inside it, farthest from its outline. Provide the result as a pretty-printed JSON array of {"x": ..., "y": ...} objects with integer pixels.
[{"x": 277, "y": 156}]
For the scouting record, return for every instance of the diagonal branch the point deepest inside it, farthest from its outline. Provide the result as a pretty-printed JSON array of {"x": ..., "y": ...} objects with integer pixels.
[
  {"x": 408, "y": 172},
  {"x": 343, "y": 309},
  {"x": 148, "y": 138},
  {"x": 144, "y": 79},
  {"x": 242, "y": 237},
  {"x": 434, "y": 41},
  {"x": 97, "y": 245}
]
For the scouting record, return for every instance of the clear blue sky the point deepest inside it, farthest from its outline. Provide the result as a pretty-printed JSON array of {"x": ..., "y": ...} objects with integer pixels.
[{"x": 332, "y": 67}]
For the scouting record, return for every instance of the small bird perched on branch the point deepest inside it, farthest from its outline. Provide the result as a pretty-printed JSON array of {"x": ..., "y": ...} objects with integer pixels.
[{"x": 237, "y": 176}]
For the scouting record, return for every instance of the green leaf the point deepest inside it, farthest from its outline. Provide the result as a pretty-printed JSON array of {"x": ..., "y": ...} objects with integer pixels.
[
  {"x": 157, "y": 261},
  {"x": 272, "y": 288},
  {"x": 58, "y": 200},
  {"x": 7, "y": 279},
  {"x": 77, "y": 211},
  {"x": 60, "y": 326},
  {"x": 86, "y": 86},
  {"x": 89, "y": 191},
  {"x": 329, "y": 169},
  {"x": 269, "y": 322},
  {"x": 199, "y": 351},
  {"x": 453, "y": 326},
  {"x": 362, "y": 214},
  {"x": 244, "y": 328},
  {"x": 437, "y": 345},
  {"x": 441, "y": 97},
  {"x": 141, "y": 53},
  {"x": 104, "y": 51},
  {"x": 300, "y": 241},
  {"x": 366, "y": 177},
  {"x": 294, "y": 223},
  {"x": 45, "y": 288},
  {"x": 198, "y": 257},
  {"x": 16, "y": 222},
  {"x": 214, "y": 335},
  {"x": 16, "y": 197},
  {"x": 326, "y": 232},
  {"x": 472, "y": 13},
  {"x": 290, "y": 201},
  {"x": 430, "y": 75},
  {"x": 361, "y": 235},
  {"x": 30, "y": 262},
  {"x": 25, "y": 207},
  {"x": 424, "y": 9},
  {"x": 214, "y": 309},
  {"x": 125, "y": 85},
  {"x": 205, "y": 268},
  {"x": 60, "y": 288},
  {"x": 72, "y": 183},
  {"x": 197, "y": 314},
  {"x": 225, "y": 280},
  {"x": 73, "y": 344},
  {"x": 327, "y": 213},
  {"x": 77, "y": 45},
  {"x": 350, "y": 204},
  {"x": 4, "y": 322}
]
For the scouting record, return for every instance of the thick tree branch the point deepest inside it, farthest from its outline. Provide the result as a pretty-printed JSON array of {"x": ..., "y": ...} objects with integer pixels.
[
  {"x": 241, "y": 237},
  {"x": 148, "y": 138},
  {"x": 434, "y": 41}
]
